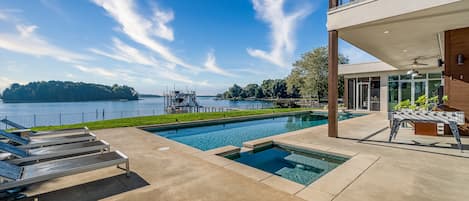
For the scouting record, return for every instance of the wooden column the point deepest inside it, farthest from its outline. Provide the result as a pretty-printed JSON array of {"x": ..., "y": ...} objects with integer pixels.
[
  {"x": 333, "y": 3},
  {"x": 333, "y": 65}
]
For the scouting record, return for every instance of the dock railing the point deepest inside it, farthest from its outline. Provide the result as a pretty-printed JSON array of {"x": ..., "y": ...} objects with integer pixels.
[{"x": 55, "y": 119}]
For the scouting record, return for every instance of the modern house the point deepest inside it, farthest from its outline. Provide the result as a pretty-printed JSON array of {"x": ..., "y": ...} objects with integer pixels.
[{"x": 423, "y": 46}]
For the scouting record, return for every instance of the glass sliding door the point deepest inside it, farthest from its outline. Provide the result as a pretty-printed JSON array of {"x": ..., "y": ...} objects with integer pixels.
[
  {"x": 375, "y": 94},
  {"x": 363, "y": 95},
  {"x": 351, "y": 93},
  {"x": 393, "y": 96},
  {"x": 405, "y": 91},
  {"x": 419, "y": 89}
]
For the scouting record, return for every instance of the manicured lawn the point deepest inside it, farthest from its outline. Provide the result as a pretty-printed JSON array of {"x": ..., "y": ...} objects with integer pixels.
[{"x": 168, "y": 118}]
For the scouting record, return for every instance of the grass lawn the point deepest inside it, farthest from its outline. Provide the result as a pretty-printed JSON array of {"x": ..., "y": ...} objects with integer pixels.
[{"x": 167, "y": 118}]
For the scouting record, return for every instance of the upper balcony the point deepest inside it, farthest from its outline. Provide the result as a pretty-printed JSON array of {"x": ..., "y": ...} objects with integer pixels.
[{"x": 347, "y": 13}]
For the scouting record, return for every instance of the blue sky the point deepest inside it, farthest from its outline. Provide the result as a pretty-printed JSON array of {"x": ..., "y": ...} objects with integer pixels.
[{"x": 205, "y": 45}]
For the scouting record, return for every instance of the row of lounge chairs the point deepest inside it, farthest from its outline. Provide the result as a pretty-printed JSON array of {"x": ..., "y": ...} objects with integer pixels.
[{"x": 27, "y": 158}]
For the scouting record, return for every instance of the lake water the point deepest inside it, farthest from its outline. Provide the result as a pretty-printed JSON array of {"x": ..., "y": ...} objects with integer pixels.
[{"x": 57, "y": 113}]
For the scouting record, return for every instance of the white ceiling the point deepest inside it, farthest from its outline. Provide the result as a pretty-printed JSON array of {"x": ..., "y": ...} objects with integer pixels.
[{"x": 409, "y": 36}]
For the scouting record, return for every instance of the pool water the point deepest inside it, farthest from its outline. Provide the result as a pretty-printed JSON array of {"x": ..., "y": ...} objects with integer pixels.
[
  {"x": 219, "y": 135},
  {"x": 303, "y": 167}
]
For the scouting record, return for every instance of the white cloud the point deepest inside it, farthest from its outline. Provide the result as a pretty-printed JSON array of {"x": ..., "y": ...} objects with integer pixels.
[
  {"x": 211, "y": 66},
  {"x": 3, "y": 16},
  {"x": 142, "y": 30},
  {"x": 161, "y": 19},
  {"x": 5, "y": 82},
  {"x": 26, "y": 41},
  {"x": 282, "y": 26},
  {"x": 126, "y": 53},
  {"x": 97, "y": 71},
  {"x": 69, "y": 75},
  {"x": 54, "y": 6}
]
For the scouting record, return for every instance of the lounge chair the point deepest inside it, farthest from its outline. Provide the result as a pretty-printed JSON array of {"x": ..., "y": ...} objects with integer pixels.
[
  {"x": 26, "y": 132},
  {"x": 14, "y": 176},
  {"x": 29, "y": 133},
  {"x": 21, "y": 156},
  {"x": 41, "y": 142},
  {"x": 12, "y": 124}
]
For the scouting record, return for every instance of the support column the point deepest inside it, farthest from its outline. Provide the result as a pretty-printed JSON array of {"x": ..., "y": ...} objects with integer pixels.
[{"x": 333, "y": 65}]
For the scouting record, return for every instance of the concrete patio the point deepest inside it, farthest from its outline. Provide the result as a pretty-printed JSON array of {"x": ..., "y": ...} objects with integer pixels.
[{"x": 166, "y": 170}]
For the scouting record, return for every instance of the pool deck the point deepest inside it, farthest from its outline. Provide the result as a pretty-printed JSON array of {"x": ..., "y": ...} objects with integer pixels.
[{"x": 411, "y": 168}]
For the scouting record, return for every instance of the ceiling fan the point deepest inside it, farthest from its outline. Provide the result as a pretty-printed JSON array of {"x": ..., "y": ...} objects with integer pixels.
[{"x": 415, "y": 64}]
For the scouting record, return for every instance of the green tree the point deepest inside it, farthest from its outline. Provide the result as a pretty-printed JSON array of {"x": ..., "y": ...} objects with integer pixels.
[
  {"x": 279, "y": 89},
  {"x": 250, "y": 90},
  {"x": 310, "y": 74},
  {"x": 259, "y": 93},
  {"x": 235, "y": 91},
  {"x": 58, "y": 91},
  {"x": 267, "y": 88}
]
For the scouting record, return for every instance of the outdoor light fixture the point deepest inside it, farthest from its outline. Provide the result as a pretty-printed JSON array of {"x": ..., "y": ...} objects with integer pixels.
[
  {"x": 413, "y": 73},
  {"x": 461, "y": 59},
  {"x": 440, "y": 62}
]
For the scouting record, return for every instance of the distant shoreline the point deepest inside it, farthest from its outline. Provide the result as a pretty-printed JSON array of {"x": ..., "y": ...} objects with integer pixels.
[{"x": 65, "y": 101}]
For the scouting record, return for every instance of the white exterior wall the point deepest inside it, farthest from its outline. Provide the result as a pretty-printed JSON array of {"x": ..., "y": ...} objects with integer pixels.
[{"x": 372, "y": 10}]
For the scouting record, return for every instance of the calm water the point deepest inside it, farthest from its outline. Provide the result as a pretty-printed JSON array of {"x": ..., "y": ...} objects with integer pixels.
[
  {"x": 214, "y": 136},
  {"x": 303, "y": 168},
  {"x": 30, "y": 114}
]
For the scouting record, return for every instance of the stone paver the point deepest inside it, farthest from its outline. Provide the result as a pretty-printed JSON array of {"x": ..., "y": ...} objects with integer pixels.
[
  {"x": 283, "y": 184},
  {"x": 166, "y": 170}
]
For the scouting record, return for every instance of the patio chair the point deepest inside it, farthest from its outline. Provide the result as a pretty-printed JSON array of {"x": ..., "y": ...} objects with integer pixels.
[
  {"x": 12, "y": 124},
  {"x": 29, "y": 133},
  {"x": 20, "y": 156},
  {"x": 26, "y": 132},
  {"x": 14, "y": 176},
  {"x": 41, "y": 142}
]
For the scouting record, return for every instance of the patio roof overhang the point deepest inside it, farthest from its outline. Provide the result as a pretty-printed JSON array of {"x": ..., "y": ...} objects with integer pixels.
[{"x": 399, "y": 40}]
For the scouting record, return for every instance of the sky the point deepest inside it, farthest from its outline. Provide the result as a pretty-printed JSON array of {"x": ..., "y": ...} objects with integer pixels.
[{"x": 155, "y": 45}]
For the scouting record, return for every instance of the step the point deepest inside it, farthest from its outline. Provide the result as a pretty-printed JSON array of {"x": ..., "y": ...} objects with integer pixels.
[
  {"x": 309, "y": 162},
  {"x": 299, "y": 175}
]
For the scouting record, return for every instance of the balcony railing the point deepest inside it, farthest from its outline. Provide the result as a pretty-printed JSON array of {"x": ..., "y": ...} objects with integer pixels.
[{"x": 345, "y": 3}]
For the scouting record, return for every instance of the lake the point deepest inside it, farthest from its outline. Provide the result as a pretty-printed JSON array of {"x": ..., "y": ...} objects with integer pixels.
[{"x": 59, "y": 113}]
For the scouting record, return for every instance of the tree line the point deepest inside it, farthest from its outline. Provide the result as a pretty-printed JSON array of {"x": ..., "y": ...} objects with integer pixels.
[
  {"x": 60, "y": 91},
  {"x": 308, "y": 79}
]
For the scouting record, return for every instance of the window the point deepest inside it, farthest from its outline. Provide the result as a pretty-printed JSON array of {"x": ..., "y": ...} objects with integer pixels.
[
  {"x": 433, "y": 86},
  {"x": 393, "y": 95},
  {"x": 406, "y": 87},
  {"x": 405, "y": 77}
]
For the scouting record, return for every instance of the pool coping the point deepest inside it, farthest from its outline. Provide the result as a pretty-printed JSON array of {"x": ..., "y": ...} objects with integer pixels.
[
  {"x": 176, "y": 125},
  {"x": 325, "y": 188}
]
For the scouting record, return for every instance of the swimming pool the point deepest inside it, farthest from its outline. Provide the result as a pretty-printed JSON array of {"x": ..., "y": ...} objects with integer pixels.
[
  {"x": 219, "y": 135},
  {"x": 300, "y": 166}
]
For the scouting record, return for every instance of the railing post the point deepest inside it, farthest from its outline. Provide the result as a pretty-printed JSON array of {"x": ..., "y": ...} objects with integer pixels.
[
  {"x": 96, "y": 114},
  {"x": 34, "y": 119},
  {"x": 82, "y": 117},
  {"x": 60, "y": 118},
  {"x": 103, "y": 114}
]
